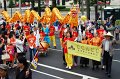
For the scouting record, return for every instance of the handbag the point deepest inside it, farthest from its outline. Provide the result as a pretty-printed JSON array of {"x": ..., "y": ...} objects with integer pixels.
[{"x": 5, "y": 56}]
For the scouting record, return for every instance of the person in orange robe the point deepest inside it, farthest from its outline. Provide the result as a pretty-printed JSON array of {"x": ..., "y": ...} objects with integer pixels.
[
  {"x": 31, "y": 39},
  {"x": 84, "y": 61},
  {"x": 96, "y": 41},
  {"x": 52, "y": 35}
]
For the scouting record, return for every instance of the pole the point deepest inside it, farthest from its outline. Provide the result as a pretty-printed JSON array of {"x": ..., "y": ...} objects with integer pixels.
[
  {"x": 20, "y": 5},
  {"x": 39, "y": 7},
  {"x": 88, "y": 8},
  {"x": 79, "y": 3},
  {"x": 105, "y": 3},
  {"x": 5, "y": 5},
  {"x": 96, "y": 10},
  {"x": 11, "y": 11},
  {"x": 53, "y": 3},
  {"x": 33, "y": 3},
  {"x": 101, "y": 13},
  {"x": 82, "y": 6}
]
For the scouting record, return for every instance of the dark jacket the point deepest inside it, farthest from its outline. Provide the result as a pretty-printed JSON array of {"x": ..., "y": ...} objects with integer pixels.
[{"x": 22, "y": 74}]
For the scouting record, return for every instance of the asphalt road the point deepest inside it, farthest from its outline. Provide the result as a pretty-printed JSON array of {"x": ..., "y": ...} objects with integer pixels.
[{"x": 52, "y": 67}]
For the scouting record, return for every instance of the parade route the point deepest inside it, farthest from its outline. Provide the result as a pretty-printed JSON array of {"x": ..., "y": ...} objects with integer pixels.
[{"x": 51, "y": 67}]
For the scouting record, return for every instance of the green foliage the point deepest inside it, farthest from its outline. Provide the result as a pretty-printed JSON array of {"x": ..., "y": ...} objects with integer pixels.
[{"x": 11, "y": 4}]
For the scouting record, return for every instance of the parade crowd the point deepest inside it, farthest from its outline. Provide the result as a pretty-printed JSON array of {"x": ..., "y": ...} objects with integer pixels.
[{"x": 17, "y": 39}]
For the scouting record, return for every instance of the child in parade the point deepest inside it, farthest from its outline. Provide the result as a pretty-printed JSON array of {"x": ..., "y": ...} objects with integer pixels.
[
  {"x": 52, "y": 35},
  {"x": 75, "y": 36},
  {"x": 68, "y": 57}
]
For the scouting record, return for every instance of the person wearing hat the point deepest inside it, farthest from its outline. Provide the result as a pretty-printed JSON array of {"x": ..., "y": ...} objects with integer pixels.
[
  {"x": 107, "y": 46},
  {"x": 3, "y": 71},
  {"x": 23, "y": 70}
]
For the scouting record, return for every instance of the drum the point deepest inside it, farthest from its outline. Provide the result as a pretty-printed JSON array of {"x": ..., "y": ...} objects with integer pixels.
[{"x": 44, "y": 45}]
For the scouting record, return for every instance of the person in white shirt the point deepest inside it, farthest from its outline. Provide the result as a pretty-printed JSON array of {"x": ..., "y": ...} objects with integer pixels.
[
  {"x": 19, "y": 45},
  {"x": 107, "y": 46}
]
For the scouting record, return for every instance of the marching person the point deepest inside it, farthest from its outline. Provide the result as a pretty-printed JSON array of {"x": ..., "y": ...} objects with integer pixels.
[
  {"x": 75, "y": 36},
  {"x": 84, "y": 61},
  {"x": 107, "y": 46},
  {"x": 68, "y": 57},
  {"x": 46, "y": 31},
  {"x": 31, "y": 39},
  {"x": 52, "y": 35}
]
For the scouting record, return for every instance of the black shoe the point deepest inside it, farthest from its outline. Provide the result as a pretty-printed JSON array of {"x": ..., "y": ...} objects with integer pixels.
[
  {"x": 93, "y": 68},
  {"x": 54, "y": 47},
  {"x": 102, "y": 68},
  {"x": 106, "y": 72},
  {"x": 109, "y": 75},
  {"x": 81, "y": 65}
]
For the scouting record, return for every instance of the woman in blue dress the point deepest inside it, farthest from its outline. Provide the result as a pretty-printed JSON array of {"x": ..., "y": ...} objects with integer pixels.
[{"x": 45, "y": 28}]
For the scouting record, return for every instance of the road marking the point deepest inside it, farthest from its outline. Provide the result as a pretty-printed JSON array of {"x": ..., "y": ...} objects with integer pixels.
[
  {"x": 61, "y": 50},
  {"x": 55, "y": 49},
  {"x": 116, "y": 49},
  {"x": 66, "y": 71},
  {"x": 117, "y": 61},
  {"x": 47, "y": 74}
]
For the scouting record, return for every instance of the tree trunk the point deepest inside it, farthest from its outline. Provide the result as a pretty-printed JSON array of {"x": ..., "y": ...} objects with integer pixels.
[{"x": 53, "y": 3}]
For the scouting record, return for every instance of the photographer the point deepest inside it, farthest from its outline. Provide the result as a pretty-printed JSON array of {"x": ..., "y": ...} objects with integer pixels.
[{"x": 19, "y": 45}]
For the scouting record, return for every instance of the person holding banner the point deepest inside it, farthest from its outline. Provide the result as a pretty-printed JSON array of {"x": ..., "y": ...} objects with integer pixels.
[
  {"x": 68, "y": 57},
  {"x": 75, "y": 36},
  {"x": 96, "y": 41},
  {"x": 107, "y": 46},
  {"x": 84, "y": 61}
]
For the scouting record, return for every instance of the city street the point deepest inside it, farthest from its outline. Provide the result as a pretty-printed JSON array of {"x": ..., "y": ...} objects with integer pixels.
[{"x": 52, "y": 67}]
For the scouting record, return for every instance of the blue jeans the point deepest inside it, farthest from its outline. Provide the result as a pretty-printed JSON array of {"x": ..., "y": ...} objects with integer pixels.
[{"x": 32, "y": 51}]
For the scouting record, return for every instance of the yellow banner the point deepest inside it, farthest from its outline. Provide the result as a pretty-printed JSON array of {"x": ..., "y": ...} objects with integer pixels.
[{"x": 84, "y": 50}]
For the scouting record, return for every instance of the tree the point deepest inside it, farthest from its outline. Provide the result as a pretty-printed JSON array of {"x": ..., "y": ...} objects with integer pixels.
[{"x": 11, "y": 4}]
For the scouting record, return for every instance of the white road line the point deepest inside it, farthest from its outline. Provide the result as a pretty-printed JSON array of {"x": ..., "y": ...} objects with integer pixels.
[
  {"x": 47, "y": 74},
  {"x": 61, "y": 50},
  {"x": 117, "y": 49},
  {"x": 55, "y": 49},
  {"x": 68, "y": 72},
  {"x": 117, "y": 61}
]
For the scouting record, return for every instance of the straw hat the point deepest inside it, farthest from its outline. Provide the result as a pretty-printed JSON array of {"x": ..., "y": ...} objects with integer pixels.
[{"x": 108, "y": 34}]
